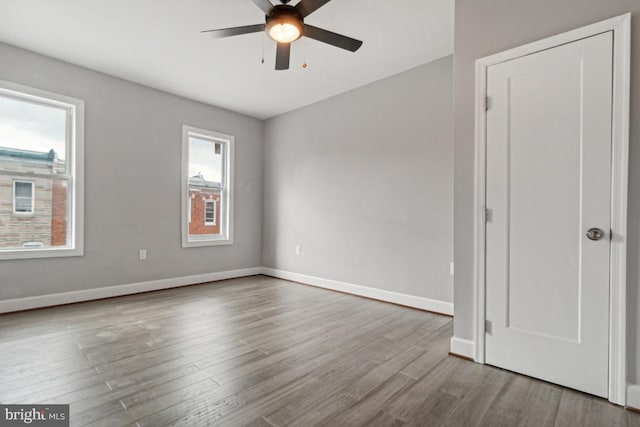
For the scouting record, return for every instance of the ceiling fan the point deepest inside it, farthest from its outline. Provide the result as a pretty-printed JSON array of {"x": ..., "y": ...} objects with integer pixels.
[{"x": 285, "y": 24}]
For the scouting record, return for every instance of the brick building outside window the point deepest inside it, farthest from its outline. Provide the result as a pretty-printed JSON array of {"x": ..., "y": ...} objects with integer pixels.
[
  {"x": 204, "y": 206},
  {"x": 33, "y": 209}
]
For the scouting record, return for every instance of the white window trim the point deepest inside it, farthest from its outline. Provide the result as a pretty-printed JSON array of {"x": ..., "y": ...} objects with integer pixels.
[
  {"x": 226, "y": 196},
  {"x": 189, "y": 201},
  {"x": 214, "y": 203},
  {"x": 75, "y": 159},
  {"x": 33, "y": 198}
]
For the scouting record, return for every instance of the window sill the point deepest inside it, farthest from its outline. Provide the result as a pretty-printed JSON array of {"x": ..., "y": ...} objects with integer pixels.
[
  {"x": 207, "y": 242},
  {"x": 39, "y": 253}
]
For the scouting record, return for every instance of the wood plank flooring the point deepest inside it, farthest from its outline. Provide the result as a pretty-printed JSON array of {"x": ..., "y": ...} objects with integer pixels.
[{"x": 265, "y": 352}]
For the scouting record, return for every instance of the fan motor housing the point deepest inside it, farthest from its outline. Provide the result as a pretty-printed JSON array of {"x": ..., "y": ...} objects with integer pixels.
[{"x": 285, "y": 14}]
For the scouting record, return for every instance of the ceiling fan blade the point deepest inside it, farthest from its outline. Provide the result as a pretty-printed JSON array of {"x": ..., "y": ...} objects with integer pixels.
[
  {"x": 235, "y": 31},
  {"x": 307, "y": 7},
  {"x": 282, "y": 56},
  {"x": 331, "y": 38},
  {"x": 264, "y": 5}
]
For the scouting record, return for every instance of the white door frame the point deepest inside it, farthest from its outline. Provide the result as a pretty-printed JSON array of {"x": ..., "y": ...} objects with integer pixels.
[{"x": 620, "y": 26}]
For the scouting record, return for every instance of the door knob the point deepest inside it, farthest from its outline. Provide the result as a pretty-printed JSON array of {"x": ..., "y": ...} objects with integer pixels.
[{"x": 595, "y": 234}]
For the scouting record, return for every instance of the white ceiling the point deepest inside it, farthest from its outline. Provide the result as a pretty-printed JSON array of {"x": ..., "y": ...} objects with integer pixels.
[{"x": 158, "y": 43}]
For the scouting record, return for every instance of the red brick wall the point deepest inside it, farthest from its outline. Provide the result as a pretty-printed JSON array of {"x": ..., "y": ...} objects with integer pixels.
[
  {"x": 58, "y": 214},
  {"x": 197, "y": 198}
]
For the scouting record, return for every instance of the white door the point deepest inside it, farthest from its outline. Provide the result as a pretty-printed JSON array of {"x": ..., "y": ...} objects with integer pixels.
[{"x": 548, "y": 183}]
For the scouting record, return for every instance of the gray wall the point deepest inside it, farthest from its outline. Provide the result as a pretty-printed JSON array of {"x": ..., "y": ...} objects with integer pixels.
[
  {"x": 484, "y": 27},
  {"x": 363, "y": 183},
  {"x": 132, "y": 199}
]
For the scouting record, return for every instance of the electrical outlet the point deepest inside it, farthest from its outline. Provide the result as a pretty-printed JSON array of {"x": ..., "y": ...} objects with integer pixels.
[
  {"x": 451, "y": 270},
  {"x": 142, "y": 255},
  {"x": 298, "y": 250}
]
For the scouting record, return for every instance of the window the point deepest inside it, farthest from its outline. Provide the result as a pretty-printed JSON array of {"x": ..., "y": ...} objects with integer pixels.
[
  {"x": 41, "y": 165},
  {"x": 210, "y": 212},
  {"x": 22, "y": 197},
  {"x": 207, "y": 188}
]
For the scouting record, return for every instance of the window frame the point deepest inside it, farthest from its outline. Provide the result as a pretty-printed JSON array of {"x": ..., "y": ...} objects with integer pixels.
[
  {"x": 213, "y": 203},
  {"x": 32, "y": 212},
  {"x": 74, "y": 156},
  {"x": 189, "y": 201},
  {"x": 226, "y": 194}
]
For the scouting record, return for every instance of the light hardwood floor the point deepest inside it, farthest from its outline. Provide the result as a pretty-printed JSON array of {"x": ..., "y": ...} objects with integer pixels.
[{"x": 265, "y": 352}]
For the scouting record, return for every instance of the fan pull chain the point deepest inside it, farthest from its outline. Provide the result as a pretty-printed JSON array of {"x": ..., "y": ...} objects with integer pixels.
[
  {"x": 304, "y": 64},
  {"x": 262, "y": 50}
]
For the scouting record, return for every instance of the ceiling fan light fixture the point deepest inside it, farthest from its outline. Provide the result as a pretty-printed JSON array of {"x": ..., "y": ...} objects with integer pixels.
[
  {"x": 284, "y": 24},
  {"x": 284, "y": 32}
]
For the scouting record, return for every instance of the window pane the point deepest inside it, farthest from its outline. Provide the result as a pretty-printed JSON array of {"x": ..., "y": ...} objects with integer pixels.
[
  {"x": 23, "y": 204},
  {"x": 32, "y": 128},
  {"x": 33, "y": 139},
  {"x": 24, "y": 189},
  {"x": 205, "y": 208},
  {"x": 206, "y": 159},
  {"x": 210, "y": 213}
]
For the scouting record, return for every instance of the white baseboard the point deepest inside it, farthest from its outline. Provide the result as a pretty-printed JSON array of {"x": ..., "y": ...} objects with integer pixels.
[
  {"x": 422, "y": 303},
  {"x": 18, "y": 304},
  {"x": 633, "y": 396},
  {"x": 461, "y": 347},
  {"x": 49, "y": 300}
]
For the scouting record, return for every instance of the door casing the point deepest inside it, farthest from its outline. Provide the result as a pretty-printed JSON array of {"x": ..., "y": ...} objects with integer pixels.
[{"x": 621, "y": 27}]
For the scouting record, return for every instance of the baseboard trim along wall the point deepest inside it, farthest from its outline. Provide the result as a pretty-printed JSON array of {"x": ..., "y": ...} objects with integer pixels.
[
  {"x": 436, "y": 306},
  {"x": 462, "y": 348},
  {"x": 49, "y": 300},
  {"x": 633, "y": 397}
]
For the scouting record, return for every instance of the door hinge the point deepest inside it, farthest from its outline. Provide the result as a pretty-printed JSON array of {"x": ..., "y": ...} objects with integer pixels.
[
  {"x": 487, "y": 102},
  {"x": 486, "y": 215},
  {"x": 488, "y": 327}
]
